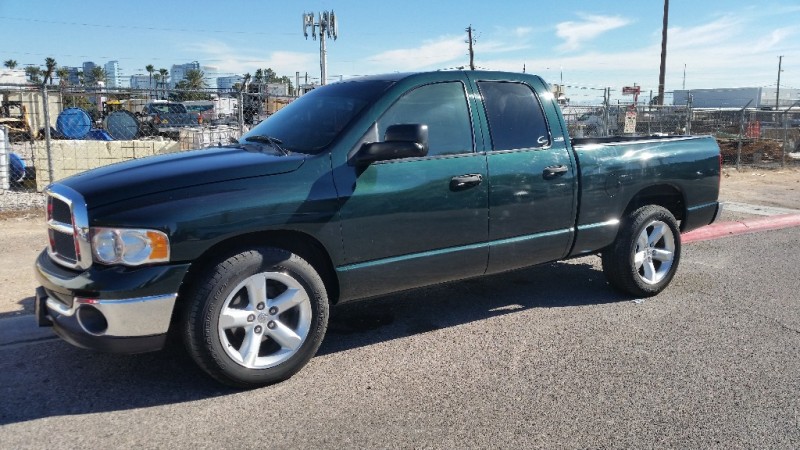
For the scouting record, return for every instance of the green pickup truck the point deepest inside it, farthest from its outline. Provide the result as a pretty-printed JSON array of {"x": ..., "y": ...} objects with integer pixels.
[{"x": 355, "y": 190}]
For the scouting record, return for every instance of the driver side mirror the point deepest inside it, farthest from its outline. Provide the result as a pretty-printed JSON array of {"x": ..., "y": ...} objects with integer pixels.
[{"x": 400, "y": 141}]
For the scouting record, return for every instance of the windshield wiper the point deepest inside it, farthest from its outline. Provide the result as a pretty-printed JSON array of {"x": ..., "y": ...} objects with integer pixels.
[{"x": 275, "y": 142}]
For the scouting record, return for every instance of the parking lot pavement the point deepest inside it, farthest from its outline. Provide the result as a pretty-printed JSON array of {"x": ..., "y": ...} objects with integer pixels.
[
  {"x": 21, "y": 330},
  {"x": 544, "y": 357}
]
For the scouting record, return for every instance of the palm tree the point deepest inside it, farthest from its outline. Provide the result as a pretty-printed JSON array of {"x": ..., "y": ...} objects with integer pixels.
[
  {"x": 10, "y": 63},
  {"x": 98, "y": 75},
  {"x": 164, "y": 74},
  {"x": 50, "y": 67},
  {"x": 193, "y": 80},
  {"x": 33, "y": 73},
  {"x": 63, "y": 76},
  {"x": 150, "y": 69},
  {"x": 157, "y": 77}
]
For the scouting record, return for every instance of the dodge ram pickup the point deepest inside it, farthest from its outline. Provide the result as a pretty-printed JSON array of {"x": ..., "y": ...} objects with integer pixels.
[
  {"x": 169, "y": 117},
  {"x": 355, "y": 190}
]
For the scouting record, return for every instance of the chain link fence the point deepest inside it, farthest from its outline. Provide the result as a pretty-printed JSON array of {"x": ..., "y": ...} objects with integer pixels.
[
  {"x": 749, "y": 137},
  {"x": 51, "y": 132}
]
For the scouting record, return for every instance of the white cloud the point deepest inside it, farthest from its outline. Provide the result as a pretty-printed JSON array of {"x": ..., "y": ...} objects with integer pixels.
[
  {"x": 521, "y": 32},
  {"x": 575, "y": 34},
  {"x": 433, "y": 53},
  {"x": 718, "y": 53},
  {"x": 239, "y": 61}
]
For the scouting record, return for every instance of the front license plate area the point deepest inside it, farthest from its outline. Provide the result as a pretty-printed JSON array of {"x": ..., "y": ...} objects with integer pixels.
[{"x": 40, "y": 308}]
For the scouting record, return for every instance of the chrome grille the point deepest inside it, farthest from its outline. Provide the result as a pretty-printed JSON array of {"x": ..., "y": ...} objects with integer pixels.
[{"x": 68, "y": 228}]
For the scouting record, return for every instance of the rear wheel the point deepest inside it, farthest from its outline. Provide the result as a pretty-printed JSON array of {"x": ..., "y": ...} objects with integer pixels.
[
  {"x": 645, "y": 255},
  {"x": 258, "y": 318}
]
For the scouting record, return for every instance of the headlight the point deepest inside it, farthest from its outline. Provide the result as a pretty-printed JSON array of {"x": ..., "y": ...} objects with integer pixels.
[{"x": 129, "y": 246}]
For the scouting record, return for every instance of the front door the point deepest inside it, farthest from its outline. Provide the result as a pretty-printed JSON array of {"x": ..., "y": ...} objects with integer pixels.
[{"x": 416, "y": 221}]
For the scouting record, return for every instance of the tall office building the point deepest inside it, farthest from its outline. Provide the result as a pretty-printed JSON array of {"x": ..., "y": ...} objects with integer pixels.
[
  {"x": 88, "y": 79},
  {"x": 142, "y": 82},
  {"x": 227, "y": 83},
  {"x": 178, "y": 72},
  {"x": 113, "y": 74}
]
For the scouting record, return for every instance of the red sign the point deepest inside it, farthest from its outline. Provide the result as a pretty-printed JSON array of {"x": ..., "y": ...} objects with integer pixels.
[
  {"x": 631, "y": 90},
  {"x": 753, "y": 130}
]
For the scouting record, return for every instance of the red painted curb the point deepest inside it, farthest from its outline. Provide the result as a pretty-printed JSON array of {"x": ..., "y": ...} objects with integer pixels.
[{"x": 724, "y": 229}]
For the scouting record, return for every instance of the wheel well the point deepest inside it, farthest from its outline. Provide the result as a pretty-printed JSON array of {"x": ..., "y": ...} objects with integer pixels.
[
  {"x": 666, "y": 196},
  {"x": 296, "y": 242}
]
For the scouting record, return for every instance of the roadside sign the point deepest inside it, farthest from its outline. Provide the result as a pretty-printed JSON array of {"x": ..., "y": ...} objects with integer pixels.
[
  {"x": 630, "y": 122},
  {"x": 631, "y": 90}
]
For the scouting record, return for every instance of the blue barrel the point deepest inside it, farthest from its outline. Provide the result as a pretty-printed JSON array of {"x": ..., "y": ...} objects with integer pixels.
[
  {"x": 122, "y": 125},
  {"x": 16, "y": 166},
  {"x": 73, "y": 123}
]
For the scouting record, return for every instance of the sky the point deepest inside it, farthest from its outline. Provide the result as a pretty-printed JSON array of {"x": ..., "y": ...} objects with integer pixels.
[{"x": 585, "y": 44}]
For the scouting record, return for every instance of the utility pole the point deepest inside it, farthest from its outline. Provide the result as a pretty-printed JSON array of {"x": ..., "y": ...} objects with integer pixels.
[
  {"x": 470, "y": 41},
  {"x": 684, "y": 76},
  {"x": 778, "y": 90},
  {"x": 328, "y": 25},
  {"x": 661, "y": 74}
]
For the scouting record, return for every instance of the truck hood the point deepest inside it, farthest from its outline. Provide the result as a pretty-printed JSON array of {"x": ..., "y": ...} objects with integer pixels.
[{"x": 141, "y": 177}]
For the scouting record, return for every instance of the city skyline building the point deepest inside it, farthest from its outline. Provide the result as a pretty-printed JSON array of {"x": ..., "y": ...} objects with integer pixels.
[
  {"x": 113, "y": 74},
  {"x": 87, "y": 68}
]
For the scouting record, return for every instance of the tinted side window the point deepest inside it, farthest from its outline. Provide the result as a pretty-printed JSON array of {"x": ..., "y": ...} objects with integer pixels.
[
  {"x": 441, "y": 106},
  {"x": 516, "y": 119}
]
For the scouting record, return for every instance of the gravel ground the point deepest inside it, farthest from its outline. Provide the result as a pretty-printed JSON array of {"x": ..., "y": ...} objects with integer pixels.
[{"x": 21, "y": 201}]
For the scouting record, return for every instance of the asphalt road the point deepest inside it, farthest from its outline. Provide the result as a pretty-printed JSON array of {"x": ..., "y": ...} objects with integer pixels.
[{"x": 545, "y": 357}]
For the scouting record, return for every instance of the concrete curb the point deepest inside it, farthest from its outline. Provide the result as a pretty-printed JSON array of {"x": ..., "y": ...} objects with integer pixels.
[{"x": 725, "y": 229}]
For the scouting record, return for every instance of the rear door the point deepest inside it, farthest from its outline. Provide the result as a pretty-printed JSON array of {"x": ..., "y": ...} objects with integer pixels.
[{"x": 532, "y": 178}]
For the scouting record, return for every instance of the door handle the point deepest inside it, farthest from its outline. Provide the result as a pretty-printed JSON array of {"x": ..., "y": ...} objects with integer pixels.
[
  {"x": 554, "y": 171},
  {"x": 463, "y": 182}
]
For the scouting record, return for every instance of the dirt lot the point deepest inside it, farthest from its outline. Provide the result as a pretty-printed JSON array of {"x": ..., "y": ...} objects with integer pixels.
[{"x": 22, "y": 233}]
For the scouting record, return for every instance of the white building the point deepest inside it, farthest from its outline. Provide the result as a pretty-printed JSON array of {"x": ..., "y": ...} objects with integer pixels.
[
  {"x": 113, "y": 74},
  {"x": 13, "y": 76},
  {"x": 142, "y": 82},
  {"x": 178, "y": 73},
  {"x": 752, "y": 97},
  {"x": 227, "y": 83}
]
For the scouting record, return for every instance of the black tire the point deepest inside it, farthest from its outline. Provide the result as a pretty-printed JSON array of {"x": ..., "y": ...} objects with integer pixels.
[
  {"x": 644, "y": 270},
  {"x": 225, "y": 316}
]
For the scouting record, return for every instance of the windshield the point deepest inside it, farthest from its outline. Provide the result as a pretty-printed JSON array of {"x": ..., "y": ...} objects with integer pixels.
[
  {"x": 169, "y": 108},
  {"x": 312, "y": 121},
  {"x": 199, "y": 108}
]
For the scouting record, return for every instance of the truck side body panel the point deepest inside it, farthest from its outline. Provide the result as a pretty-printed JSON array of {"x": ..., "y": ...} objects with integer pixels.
[{"x": 612, "y": 174}]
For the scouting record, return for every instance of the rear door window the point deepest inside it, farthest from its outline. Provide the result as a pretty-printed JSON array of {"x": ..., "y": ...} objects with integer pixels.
[{"x": 516, "y": 119}]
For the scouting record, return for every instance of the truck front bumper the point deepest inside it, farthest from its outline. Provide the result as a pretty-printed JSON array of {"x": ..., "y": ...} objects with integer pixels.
[{"x": 110, "y": 309}]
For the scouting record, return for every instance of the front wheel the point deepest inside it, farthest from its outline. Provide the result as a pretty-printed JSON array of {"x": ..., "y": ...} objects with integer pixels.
[
  {"x": 645, "y": 255},
  {"x": 256, "y": 318}
]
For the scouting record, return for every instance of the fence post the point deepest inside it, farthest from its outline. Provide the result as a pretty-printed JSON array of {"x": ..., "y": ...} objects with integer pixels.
[
  {"x": 46, "y": 111},
  {"x": 739, "y": 146},
  {"x": 689, "y": 114},
  {"x": 241, "y": 113},
  {"x": 606, "y": 106},
  {"x": 785, "y": 135}
]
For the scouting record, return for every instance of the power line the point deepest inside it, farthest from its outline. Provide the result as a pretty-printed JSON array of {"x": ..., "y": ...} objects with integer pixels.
[{"x": 136, "y": 27}]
